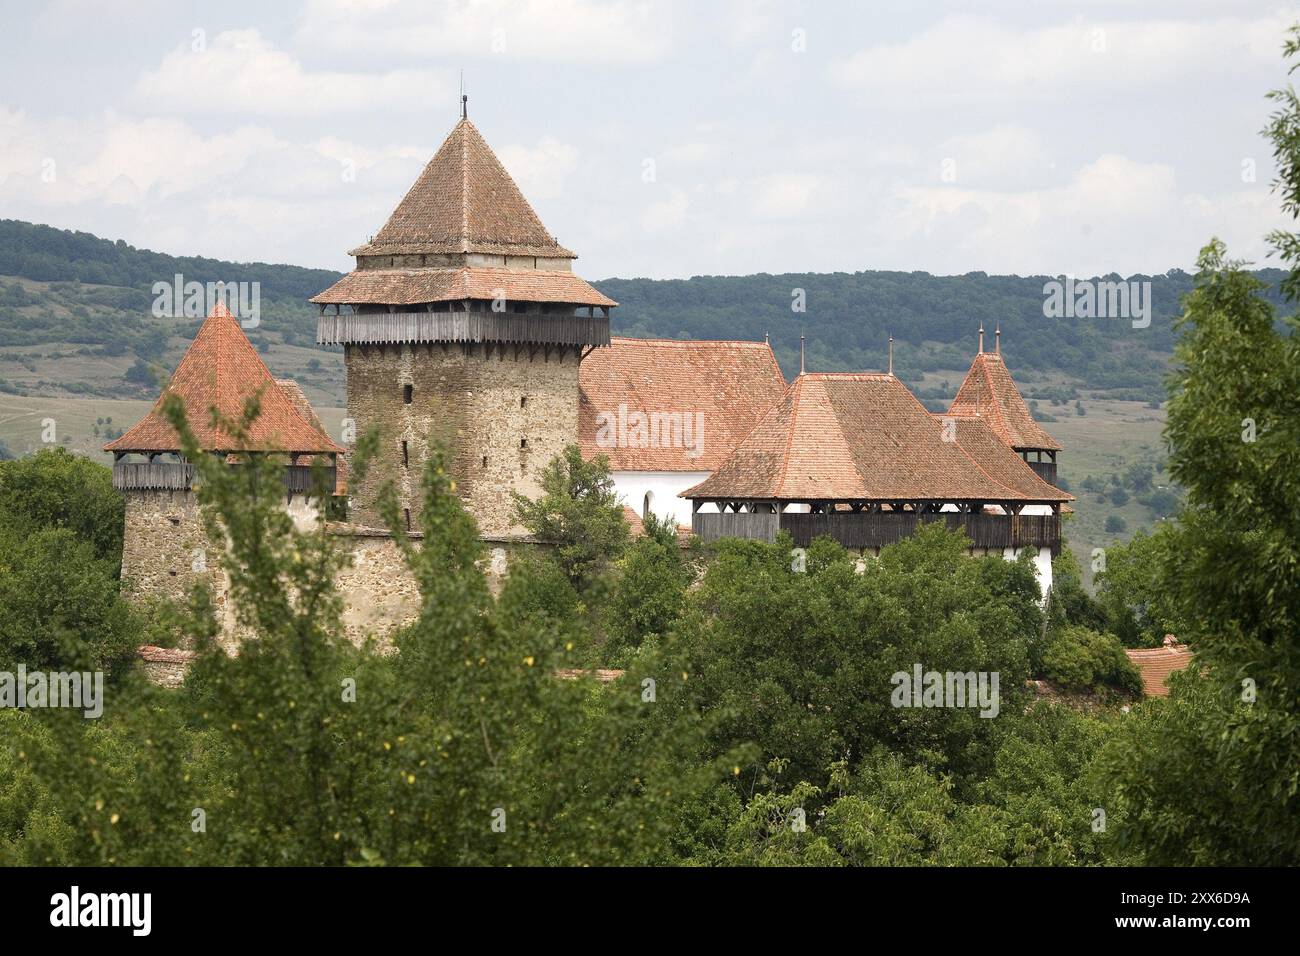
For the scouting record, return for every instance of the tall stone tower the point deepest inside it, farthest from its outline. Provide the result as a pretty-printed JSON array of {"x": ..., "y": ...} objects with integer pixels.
[{"x": 463, "y": 323}]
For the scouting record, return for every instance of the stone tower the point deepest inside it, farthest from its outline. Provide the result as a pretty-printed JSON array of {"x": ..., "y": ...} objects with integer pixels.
[
  {"x": 165, "y": 548},
  {"x": 463, "y": 323}
]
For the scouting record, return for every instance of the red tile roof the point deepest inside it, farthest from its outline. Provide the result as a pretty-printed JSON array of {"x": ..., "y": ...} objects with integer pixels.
[
  {"x": 989, "y": 392},
  {"x": 724, "y": 386},
  {"x": 998, "y": 460},
  {"x": 1156, "y": 664},
  {"x": 464, "y": 201},
  {"x": 414, "y": 286},
  {"x": 221, "y": 370},
  {"x": 862, "y": 436}
]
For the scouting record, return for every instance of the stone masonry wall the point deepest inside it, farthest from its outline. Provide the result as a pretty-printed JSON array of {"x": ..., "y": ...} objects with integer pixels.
[
  {"x": 503, "y": 416},
  {"x": 165, "y": 550}
]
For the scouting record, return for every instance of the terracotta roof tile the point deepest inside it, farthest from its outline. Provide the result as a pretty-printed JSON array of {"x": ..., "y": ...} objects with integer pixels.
[
  {"x": 859, "y": 436},
  {"x": 724, "y": 388},
  {"x": 221, "y": 370},
  {"x": 416, "y": 286},
  {"x": 464, "y": 201},
  {"x": 996, "y": 458},
  {"x": 989, "y": 392},
  {"x": 1156, "y": 664}
]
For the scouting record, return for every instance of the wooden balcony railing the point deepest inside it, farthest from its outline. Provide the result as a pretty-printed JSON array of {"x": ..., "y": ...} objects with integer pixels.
[
  {"x": 150, "y": 475},
  {"x": 469, "y": 327},
  {"x": 864, "y": 530},
  {"x": 179, "y": 476}
]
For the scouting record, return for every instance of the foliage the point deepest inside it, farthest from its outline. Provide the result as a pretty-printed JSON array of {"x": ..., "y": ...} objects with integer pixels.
[
  {"x": 579, "y": 513},
  {"x": 1133, "y": 592},
  {"x": 801, "y": 663},
  {"x": 1081, "y": 659},
  {"x": 649, "y": 590},
  {"x": 54, "y": 488}
]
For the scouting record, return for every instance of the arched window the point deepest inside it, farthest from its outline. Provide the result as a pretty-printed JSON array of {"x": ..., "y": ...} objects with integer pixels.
[{"x": 646, "y": 504}]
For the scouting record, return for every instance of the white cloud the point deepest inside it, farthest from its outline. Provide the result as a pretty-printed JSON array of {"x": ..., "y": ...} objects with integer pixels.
[
  {"x": 1115, "y": 214},
  {"x": 540, "y": 171},
  {"x": 559, "y": 30},
  {"x": 239, "y": 71},
  {"x": 971, "y": 59},
  {"x": 1002, "y": 156},
  {"x": 666, "y": 214},
  {"x": 784, "y": 195}
]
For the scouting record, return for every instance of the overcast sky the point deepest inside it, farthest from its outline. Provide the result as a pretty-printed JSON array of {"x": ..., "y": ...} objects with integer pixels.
[{"x": 659, "y": 139}]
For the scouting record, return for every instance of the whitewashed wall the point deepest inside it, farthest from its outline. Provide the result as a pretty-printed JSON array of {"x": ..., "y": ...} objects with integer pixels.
[{"x": 663, "y": 487}]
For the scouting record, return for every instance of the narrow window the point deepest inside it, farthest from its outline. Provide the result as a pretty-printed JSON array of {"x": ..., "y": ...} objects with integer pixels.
[
  {"x": 523, "y": 443},
  {"x": 485, "y": 461},
  {"x": 407, "y": 512},
  {"x": 523, "y": 401},
  {"x": 406, "y": 458},
  {"x": 407, "y": 391}
]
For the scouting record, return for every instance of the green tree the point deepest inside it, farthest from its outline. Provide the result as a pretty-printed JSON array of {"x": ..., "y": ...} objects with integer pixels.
[
  {"x": 59, "y": 605},
  {"x": 1133, "y": 590},
  {"x": 55, "y": 488},
  {"x": 650, "y": 587},
  {"x": 579, "y": 513}
]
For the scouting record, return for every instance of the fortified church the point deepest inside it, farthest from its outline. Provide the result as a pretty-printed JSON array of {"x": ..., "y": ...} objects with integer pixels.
[{"x": 464, "y": 322}]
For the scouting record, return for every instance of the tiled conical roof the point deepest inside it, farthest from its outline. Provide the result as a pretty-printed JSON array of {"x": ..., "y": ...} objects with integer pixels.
[
  {"x": 989, "y": 392},
  {"x": 464, "y": 201},
  {"x": 221, "y": 370},
  {"x": 864, "y": 436}
]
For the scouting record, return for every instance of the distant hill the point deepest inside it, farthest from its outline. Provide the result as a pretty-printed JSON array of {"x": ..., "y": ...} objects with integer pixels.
[{"x": 74, "y": 317}]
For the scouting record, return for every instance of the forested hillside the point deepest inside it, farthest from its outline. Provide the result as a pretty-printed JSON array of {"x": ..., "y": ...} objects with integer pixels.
[{"x": 95, "y": 294}]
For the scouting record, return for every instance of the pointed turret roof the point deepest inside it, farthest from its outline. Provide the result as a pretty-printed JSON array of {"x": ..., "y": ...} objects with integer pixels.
[
  {"x": 989, "y": 393},
  {"x": 463, "y": 202},
  {"x": 221, "y": 370},
  {"x": 863, "y": 436}
]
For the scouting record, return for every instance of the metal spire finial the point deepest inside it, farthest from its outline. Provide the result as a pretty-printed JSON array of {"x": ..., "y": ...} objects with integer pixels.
[
  {"x": 801, "y": 366},
  {"x": 891, "y": 355},
  {"x": 981, "y": 336}
]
